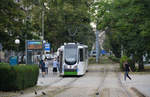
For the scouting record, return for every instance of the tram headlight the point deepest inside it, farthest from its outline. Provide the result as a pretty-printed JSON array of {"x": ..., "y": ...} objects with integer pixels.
[
  {"x": 70, "y": 67},
  {"x": 66, "y": 66}
]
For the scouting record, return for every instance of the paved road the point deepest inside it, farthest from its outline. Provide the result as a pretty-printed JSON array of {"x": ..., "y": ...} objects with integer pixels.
[
  {"x": 99, "y": 81},
  {"x": 139, "y": 81}
]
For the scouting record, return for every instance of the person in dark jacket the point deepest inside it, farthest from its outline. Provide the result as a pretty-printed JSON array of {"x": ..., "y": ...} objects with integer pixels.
[
  {"x": 127, "y": 69},
  {"x": 42, "y": 65}
]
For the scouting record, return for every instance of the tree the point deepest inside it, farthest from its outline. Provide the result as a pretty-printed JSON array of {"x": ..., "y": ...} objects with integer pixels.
[
  {"x": 64, "y": 21},
  {"x": 10, "y": 23},
  {"x": 68, "y": 21},
  {"x": 127, "y": 21}
]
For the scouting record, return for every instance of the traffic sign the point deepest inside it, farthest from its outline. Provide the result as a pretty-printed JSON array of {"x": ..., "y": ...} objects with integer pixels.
[{"x": 47, "y": 46}]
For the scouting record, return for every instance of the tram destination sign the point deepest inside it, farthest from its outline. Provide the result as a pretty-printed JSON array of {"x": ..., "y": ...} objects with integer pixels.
[{"x": 34, "y": 45}]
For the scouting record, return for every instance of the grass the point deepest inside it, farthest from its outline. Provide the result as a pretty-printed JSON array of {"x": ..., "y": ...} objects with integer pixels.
[
  {"x": 146, "y": 70},
  {"x": 105, "y": 60},
  {"x": 102, "y": 60}
]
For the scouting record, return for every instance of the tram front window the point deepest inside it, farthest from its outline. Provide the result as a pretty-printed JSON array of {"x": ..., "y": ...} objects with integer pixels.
[{"x": 70, "y": 55}]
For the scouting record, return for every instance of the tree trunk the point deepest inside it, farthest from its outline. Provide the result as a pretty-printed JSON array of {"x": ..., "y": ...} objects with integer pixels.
[
  {"x": 133, "y": 63},
  {"x": 141, "y": 65}
]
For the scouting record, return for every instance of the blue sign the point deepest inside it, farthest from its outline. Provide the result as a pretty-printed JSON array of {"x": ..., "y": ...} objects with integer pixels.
[
  {"x": 47, "y": 46},
  {"x": 103, "y": 52},
  {"x": 34, "y": 42},
  {"x": 13, "y": 60}
]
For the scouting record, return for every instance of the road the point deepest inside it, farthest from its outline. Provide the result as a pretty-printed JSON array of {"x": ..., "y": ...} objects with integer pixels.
[{"x": 99, "y": 81}]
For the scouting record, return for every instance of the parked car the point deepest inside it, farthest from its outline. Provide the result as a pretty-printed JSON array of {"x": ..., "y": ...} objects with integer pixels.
[{"x": 93, "y": 53}]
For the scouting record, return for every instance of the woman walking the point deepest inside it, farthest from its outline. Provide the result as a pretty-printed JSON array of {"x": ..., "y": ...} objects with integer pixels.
[
  {"x": 127, "y": 69},
  {"x": 55, "y": 65}
]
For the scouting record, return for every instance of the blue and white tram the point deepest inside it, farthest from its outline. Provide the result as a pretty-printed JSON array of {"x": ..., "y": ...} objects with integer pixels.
[{"x": 73, "y": 59}]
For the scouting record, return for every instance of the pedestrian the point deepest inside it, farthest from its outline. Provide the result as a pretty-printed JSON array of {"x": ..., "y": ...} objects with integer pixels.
[
  {"x": 46, "y": 66},
  {"x": 42, "y": 65},
  {"x": 127, "y": 69},
  {"x": 55, "y": 65}
]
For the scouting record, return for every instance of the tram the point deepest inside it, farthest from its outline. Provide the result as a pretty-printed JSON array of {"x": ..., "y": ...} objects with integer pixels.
[{"x": 73, "y": 59}]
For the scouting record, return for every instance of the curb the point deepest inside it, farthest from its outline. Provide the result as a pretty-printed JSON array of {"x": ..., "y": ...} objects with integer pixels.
[{"x": 138, "y": 93}]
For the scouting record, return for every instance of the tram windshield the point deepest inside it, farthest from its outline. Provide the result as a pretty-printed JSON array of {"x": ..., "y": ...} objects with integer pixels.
[{"x": 70, "y": 54}]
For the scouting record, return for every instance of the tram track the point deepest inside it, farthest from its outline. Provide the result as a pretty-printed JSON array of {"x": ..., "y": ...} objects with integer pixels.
[
  {"x": 61, "y": 89},
  {"x": 65, "y": 87},
  {"x": 76, "y": 88},
  {"x": 51, "y": 87},
  {"x": 123, "y": 87},
  {"x": 103, "y": 84}
]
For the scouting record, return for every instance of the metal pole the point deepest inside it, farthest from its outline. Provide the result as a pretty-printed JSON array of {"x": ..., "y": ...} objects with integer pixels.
[
  {"x": 26, "y": 56},
  {"x": 97, "y": 47},
  {"x": 43, "y": 24},
  {"x": 42, "y": 28}
]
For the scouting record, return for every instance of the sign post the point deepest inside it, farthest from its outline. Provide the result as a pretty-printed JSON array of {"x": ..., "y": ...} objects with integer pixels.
[{"x": 32, "y": 46}]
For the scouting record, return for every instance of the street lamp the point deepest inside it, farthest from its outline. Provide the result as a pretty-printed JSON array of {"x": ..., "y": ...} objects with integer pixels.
[{"x": 17, "y": 41}]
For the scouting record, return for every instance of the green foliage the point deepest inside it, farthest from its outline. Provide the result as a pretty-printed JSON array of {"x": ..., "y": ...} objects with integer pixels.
[
  {"x": 11, "y": 17},
  {"x": 68, "y": 21},
  {"x": 114, "y": 59},
  {"x": 102, "y": 60},
  {"x": 122, "y": 60},
  {"x": 127, "y": 25},
  {"x": 92, "y": 60},
  {"x": 130, "y": 62},
  {"x": 18, "y": 77},
  {"x": 64, "y": 21}
]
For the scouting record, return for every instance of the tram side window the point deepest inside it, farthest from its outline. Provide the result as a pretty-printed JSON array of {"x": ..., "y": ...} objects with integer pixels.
[
  {"x": 81, "y": 54},
  {"x": 86, "y": 55}
]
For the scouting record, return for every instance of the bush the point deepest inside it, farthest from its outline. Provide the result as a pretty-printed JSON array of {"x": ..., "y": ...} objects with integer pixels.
[
  {"x": 92, "y": 60},
  {"x": 114, "y": 59},
  {"x": 18, "y": 77}
]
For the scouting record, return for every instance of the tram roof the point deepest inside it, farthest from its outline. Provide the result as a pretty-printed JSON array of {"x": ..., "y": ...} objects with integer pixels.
[{"x": 78, "y": 44}]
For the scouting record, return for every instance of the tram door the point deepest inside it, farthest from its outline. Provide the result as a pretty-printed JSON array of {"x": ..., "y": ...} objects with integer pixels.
[{"x": 61, "y": 61}]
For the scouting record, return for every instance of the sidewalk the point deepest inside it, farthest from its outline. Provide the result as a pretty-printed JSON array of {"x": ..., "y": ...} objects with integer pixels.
[
  {"x": 48, "y": 78},
  {"x": 139, "y": 81}
]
